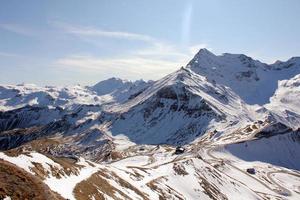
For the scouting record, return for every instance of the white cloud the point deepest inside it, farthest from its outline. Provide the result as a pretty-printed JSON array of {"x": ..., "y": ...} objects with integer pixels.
[
  {"x": 148, "y": 63},
  {"x": 96, "y": 32},
  {"x": 153, "y": 60},
  {"x": 161, "y": 49},
  {"x": 130, "y": 67}
]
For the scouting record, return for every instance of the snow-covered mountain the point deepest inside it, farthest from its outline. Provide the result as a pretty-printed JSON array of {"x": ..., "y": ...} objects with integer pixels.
[
  {"x": 111, "y": 91},
  {"x": 17, "y": 96},
  {"x": 118, "y": 90},
  {"x": 177, "y": 109},
  {"x": 117, "y": 139},
  {"x": 255, "y": 82}
]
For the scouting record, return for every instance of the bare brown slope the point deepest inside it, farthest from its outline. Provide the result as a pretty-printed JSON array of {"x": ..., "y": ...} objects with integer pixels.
[
  {"x": 98, "y": 187},
  {"x": 19, "y": 184}
]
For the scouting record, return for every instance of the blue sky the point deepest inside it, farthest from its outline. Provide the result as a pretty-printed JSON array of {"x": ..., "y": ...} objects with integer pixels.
[{"x": 67, "y": 42}]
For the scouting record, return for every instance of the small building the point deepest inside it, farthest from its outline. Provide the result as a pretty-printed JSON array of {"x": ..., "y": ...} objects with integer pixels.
[
  {"x": 251, "y": 170},
  {"x": 179, "y": 150},
  {"x": 141, "y": 149}
]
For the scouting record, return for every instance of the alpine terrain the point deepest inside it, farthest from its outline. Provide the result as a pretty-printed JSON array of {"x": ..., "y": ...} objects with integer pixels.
[{"x": 222, "y": 127}]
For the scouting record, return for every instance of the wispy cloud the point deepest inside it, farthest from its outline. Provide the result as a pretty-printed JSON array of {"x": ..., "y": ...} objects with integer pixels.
[
  {"x": 127, "y": 67},
  {"x": 155, "y": 46},
  {"x": 149, "y": 63},
  {"x": 96, "y": 32},
  {"x": 152, "y": 60},
  {"x": 17, "y": 28}
]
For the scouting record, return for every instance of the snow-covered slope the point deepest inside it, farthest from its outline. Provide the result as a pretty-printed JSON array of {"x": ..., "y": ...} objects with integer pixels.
[
  {"x": 285, "y": 102},
  {"x": 266, "y": 150},
  {"x": 255, "y": 82},
  {"x": 272, "y": 162}
]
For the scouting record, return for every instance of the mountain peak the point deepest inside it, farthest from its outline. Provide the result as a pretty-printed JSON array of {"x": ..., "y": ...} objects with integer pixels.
[
  {"x": 108, "y": 86},
  {"x": 204, "y": 53},
  {"x": 203, "y": 60}
]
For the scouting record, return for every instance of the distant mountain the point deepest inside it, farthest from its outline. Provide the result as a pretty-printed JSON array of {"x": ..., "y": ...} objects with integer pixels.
[
  {"x": 109, "y": 91},
  {"x": 17, "y": 96},
  {"x": 118, "y": 90},
  {"x": 110, "y": 85}
]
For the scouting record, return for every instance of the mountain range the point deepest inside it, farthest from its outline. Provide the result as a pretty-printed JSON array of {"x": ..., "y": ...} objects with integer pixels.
[{"x": 236, "y": 119}]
